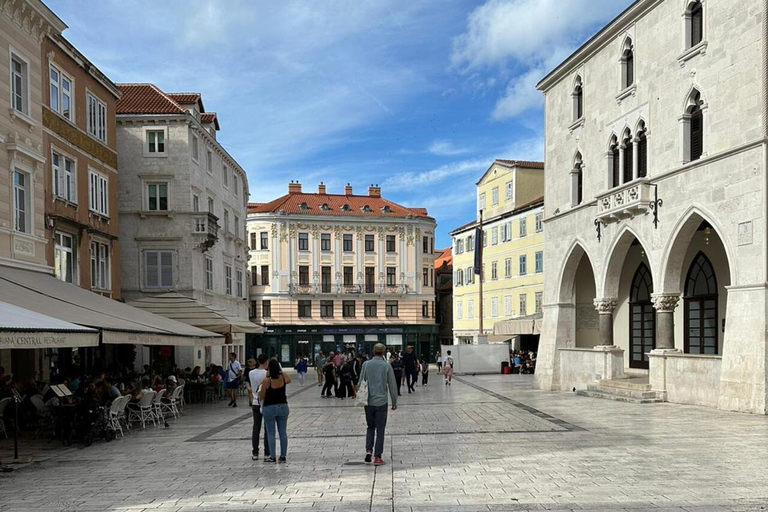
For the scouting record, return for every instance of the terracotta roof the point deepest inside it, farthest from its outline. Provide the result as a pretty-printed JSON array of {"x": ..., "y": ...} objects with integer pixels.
[
  {"x": 522, "y": 163},
  {"x": 291, "y": 204},
  {"x": 210, "y": 117},
  {"x": 443, "y": 256},
  {"x": 185, "y": 98},
  {"x": 146, "y": 99}
]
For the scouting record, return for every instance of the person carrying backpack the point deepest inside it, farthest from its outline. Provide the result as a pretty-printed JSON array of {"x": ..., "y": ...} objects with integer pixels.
[{"x": 448, "y": 368}]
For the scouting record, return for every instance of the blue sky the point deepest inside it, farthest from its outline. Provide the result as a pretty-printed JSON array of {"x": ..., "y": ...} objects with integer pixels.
[{"x": 418, "y": 96}]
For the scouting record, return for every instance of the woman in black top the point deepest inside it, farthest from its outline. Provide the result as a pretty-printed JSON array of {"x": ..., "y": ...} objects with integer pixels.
[
  {"x": 330, "y": 379},
  {"x": 274, "y": 408}
]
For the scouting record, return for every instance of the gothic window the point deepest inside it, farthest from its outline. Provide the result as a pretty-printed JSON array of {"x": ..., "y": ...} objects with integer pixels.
[
  {"x": 693, "y": 127},
  {"x": 694, "y": 23},
  {"x": 701, "y": 307},
  {"x": 627, "y": 64},
  {"x": 642, "y": 152},
  {"x": 615, "y": 176},
  {"x": 578, "y": 100},
  {"x": 628, "y": 157},
  {"x": 577, "y": 181}
]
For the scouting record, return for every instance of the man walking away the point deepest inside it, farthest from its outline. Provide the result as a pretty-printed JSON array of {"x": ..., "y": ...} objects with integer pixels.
[
  {"x": 381, "y": 382},
  {"x": 448, "y": 368},
  {"x": 319, "y": 363},
  {"x": 411, "y": 371},
  {"x": 256, "y": 376},
  {"x": 234, "y": 371}
]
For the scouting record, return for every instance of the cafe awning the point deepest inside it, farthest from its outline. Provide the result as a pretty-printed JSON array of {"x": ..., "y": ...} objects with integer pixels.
[
  {"x": 518, "y": 326},
  {"x": 191, "y": 311},
  {"x": 118, "y": 322},
  {"x": 22, "y": 328}
]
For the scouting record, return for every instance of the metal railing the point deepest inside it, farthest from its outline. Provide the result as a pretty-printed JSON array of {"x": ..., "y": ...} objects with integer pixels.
[{"x": 341, "y": 289}]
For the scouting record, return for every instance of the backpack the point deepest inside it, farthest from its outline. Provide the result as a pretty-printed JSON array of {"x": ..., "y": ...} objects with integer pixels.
[{"x": 448, "y": 361}]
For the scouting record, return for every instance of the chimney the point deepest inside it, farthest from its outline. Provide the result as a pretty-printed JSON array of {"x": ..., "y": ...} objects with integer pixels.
[
  {"x": 374, "y": 190},
  {"x": 321, "y": 188},
  {"x": 294, "y": 187},
  {"x": 348, "y": 190}
]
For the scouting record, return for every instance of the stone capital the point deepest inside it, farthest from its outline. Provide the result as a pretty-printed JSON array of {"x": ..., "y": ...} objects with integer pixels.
[
  {"x": 605, "y": 306},
  {"x": 665, "y": 302}
]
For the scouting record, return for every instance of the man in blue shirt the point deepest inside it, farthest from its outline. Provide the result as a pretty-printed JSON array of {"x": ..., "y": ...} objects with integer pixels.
[{"x": 381, "y": 382}]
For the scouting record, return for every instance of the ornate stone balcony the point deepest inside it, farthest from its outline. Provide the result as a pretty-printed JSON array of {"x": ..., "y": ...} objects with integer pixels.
[
  {"x": 626, "y": 201},
  {"x": 339, "y": 289}
]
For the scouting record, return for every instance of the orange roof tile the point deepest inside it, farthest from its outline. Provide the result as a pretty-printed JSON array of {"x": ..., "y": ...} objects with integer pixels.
[
  {"x": 146, "y": 99},
  {"x": 522, "y": 163},
  {"x": 443, "y": 256},
  {"x": 291, "y": 204},
  {"x": 210, "y": 117},
  {"x": 185, "y": 98}
]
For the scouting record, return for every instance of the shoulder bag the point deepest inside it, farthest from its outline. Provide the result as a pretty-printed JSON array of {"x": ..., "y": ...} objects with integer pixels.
[{"x": 361, "y": 399}]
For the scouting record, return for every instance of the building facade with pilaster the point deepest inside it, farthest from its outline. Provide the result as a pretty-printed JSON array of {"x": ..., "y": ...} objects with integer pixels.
[
  {"x": 340, "y": 272},
  {"x": 655, "y": 224}
]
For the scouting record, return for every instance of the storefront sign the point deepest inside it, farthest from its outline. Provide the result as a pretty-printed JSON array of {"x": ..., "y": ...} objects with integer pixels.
[{"x": 37, "y": 340}]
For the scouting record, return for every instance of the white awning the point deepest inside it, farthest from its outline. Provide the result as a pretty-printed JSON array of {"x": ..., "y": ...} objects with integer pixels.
[
  {"x": 22, "y": 328},
  {"x": 515, "y": 326},
  {"x": 118, "y": 322},
  {"x": 190, "y": 311}
]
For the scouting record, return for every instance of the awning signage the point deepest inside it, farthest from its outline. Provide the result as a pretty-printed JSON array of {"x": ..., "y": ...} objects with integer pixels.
[{"x": 48, "y": 340}]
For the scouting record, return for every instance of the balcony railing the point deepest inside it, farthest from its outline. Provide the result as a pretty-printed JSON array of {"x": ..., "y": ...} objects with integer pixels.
[
  {"x": 206, "y": 223},
  {"x": 340, "y": 289},
  {"x": 626, "y": 201}
]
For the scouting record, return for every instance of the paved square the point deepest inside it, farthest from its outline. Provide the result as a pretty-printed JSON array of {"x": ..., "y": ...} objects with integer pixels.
[{"x": 486, "y": 443}]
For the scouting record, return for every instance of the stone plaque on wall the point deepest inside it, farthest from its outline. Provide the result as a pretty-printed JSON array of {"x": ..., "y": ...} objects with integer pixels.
[
  {"x": 586, "y": 316},
  {"x": 745, "y": 233},
  {"x": 23, "y": 246}
]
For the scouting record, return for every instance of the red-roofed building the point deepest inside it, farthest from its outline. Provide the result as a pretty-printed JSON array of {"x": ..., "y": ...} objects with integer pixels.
[
  {"x": 182, "y": 209},
  {"x": 341, "y": 271},
  {"x": 444, "y": 295}
]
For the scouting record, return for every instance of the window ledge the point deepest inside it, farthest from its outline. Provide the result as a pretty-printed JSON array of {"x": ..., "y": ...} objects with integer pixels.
[
  {"x": 577, "y": 124},
  {"x": 67, "y": 202},
  {"x": 626, "y": 93},
  {"x": 99, "y": 216},
  {"x": 699, "y": 49},
  {"x": 165, "y": 213},
  {"x": 21, "y": 116},
  {"x": 147, "y": 154}
]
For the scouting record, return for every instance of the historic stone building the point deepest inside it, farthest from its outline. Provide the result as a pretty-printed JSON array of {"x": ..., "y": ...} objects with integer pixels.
[
  {"x": 340, "y": 272},
  {"x": 182, "y": 209},
  {"x": 444, "y": 295},
  {"x": 510, "y": 197},
  {"x": 656, "y": 237}
]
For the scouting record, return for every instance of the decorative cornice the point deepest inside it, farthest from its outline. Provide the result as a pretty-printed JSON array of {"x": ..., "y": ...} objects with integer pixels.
[{"x": 33, "y": 17}]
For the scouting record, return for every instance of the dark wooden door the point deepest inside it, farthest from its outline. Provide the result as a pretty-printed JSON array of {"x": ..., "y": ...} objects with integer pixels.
[{"x": 642, "y": 319}]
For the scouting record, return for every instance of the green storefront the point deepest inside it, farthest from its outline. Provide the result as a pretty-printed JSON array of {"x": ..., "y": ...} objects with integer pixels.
[{"x": 291, "y": 342}]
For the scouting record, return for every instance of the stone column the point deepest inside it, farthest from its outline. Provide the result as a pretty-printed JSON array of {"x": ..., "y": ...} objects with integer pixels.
[
  {"x": 605, "y": 309},
  {"x": 665, "y": 304},
  {"x": 635, "y": 158}
]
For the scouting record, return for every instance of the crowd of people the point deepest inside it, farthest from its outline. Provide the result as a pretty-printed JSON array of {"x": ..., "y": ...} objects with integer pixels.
[{"x": 523, "y": 361}]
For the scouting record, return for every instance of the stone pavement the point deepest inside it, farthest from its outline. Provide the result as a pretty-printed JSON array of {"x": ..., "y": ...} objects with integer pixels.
[{"x": 486, "y": 443}]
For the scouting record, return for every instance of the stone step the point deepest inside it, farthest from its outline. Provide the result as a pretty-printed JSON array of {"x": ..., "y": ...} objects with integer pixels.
[
  {"x": 618, "y": 398},
  {"x": 634, "y": 384},
  {"x": 640, "y": 394}
]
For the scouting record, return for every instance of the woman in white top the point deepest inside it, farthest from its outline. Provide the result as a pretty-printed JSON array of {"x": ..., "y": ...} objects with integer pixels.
[{"x": 439, "y": 362}]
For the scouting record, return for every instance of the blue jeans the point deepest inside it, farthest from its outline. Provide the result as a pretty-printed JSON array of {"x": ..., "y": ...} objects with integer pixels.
[
  {"x": 276, "y": 414},
  {"x": 376, "y": 419}
]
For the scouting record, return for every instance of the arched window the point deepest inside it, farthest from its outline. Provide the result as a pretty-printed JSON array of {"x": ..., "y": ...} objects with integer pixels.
[
  {"x": 577, "y": 181},
  {"x": 695, "y": 23},
  {"x": 627, "y": 64},
  {"x": 578, "y": 100},
  {"x": 615, "y": 176},
  {"x": 642, "y": 152},
  {"x": 642, "y": 318},
  {"x": 693, "y": 129},
  {"x": 628, "y": 157},
  {"x": 701, "y": 307}
]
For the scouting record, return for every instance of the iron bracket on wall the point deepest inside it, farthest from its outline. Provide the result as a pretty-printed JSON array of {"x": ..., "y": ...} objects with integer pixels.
[
  {"x": 598, "y": 225},
  {"x": 655, "y": 205}
]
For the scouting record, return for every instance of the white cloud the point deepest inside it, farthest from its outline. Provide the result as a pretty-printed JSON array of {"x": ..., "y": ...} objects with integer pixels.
[
  {"x": 409, "y": 180},
  {"x": 446, "y": 148},
  {"x": 529, "y": 36}
]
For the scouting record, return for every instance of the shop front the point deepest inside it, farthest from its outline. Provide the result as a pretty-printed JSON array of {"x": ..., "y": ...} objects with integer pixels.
[{"x": 289, "y": 343}]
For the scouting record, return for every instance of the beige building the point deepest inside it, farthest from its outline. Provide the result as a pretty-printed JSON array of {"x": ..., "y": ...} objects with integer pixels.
[
  {"x": 340, "y": 272},
  {"x": 510, "y": 196},
  {"x": 656, "y": 197}
]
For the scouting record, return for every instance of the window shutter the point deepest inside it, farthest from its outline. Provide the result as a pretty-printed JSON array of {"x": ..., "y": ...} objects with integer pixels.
[
  {"x": 151, "y": 268},
  {"x": 696, "y": 134},
  {"x": 616, "y": 178},
  {"x": 630, "y": 68},
  {"x": 580, "y": 187},
  {"x": 579, "y": 103},
  {"x": 166, "y": 266},
  {"x": 697, "y": 25},
  {"x": 642, "y": 156},
  {"x": 628, "y": 162}
]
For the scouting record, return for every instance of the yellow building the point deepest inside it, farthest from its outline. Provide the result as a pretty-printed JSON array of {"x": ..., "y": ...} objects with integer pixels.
[{"x": 510, "y": 196}]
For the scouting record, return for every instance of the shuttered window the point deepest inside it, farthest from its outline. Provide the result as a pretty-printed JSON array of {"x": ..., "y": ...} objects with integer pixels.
[
  {"x": 579, "y": 187},
  {"x": 629, "y": 68},
  {"x": 697, "y": 25},
  {"x": 642, "y": 155},
  {"x": 158, "y": 269},
  {"x": 696, "y": 133},
  {"x": 628, "y": 160},
  {"x": 579, "y": 102},
  {"x": 615, "y": 160}
]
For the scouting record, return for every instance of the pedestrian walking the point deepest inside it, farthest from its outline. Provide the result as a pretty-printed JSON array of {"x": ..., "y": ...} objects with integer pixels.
[
  {"x": 424, "y": 372},
  {"x": 357, "y": 366},
  {"x": 381, "y": 383},
  {"x": 274, "y": 408},
  {"x": 234, "y": 371},
  {"x": 330, "y": 378},
  {"x": 256, "y": 376},
  {"x": 448, "y": 368},
  {"x": 439, "y": 359},
  {"x": 397, "y": 368},
  {"x": 301, "y": 369},
  {"x": 319, "y": 363},
  {"x": 346, "y": 377},
  {"x": 410, "y": 362}
]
